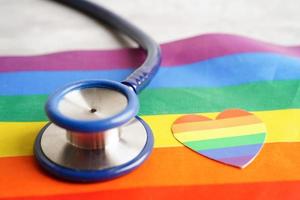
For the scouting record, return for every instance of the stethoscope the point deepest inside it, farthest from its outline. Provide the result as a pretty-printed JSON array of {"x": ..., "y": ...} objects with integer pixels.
[{"x": 94, "y": 133}]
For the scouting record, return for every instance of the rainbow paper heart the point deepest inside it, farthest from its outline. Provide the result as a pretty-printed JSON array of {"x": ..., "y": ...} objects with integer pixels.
[{"x": 235, "y": 137}]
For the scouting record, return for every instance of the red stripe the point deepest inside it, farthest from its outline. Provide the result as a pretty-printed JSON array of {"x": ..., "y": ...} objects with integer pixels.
[{"x": 250, "y": 191}]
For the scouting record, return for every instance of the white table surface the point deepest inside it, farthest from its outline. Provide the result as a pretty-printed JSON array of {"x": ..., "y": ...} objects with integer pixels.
[{"x": 29, "y": 27}]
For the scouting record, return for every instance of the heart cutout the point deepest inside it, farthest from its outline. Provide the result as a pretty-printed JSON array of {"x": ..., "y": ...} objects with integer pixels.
[{"x": 234, "y": 138}]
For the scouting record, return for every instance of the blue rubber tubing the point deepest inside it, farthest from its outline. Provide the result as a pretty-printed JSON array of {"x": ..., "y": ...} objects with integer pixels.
[{"x": 141, "y": 77}]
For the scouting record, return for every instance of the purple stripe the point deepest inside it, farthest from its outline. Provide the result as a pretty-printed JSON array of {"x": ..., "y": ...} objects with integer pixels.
[
  {"x": 175, "y": 53},
  {"x": 228, "y": 152},
  {"x": 238, "y": 161},
  {"x": 74, "y": 60}
]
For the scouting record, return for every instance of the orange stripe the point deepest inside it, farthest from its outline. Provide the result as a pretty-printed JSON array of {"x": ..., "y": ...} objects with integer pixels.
[
  {"x": 215, "y": 124},
  {"x": 249, "y": 191},
  {"x": 20, "y": 176},
  {"x": 230, "y": 113},
  {"x": 191, "y": 118}
]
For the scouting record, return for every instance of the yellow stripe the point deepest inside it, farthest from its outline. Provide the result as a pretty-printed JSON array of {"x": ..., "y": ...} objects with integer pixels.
[
  {"x": 16, "y": 138},
  {"x": 221, "y": 132}
]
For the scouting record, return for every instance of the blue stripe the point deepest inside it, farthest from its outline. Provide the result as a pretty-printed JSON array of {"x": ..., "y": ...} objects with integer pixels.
[
  {"x": 229, "y": 152},
  {"x": 223, "y": 71}
]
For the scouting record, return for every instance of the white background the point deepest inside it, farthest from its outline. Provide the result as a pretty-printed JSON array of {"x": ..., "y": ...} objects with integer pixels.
[{"x": 40, "y": 26}]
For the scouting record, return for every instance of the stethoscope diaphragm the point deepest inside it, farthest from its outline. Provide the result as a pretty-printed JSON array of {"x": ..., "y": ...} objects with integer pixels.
[{"x": 69, "y": 150}]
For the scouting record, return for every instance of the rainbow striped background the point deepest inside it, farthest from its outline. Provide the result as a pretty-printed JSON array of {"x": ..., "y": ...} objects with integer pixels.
[{"x": 206, "y": 74}]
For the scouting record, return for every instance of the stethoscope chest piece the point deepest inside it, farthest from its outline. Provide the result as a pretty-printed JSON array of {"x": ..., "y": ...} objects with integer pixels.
[{"x": 94, "y": 134}]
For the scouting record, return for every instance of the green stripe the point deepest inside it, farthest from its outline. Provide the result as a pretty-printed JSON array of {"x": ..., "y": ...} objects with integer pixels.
[
  {"x": 22, "y": 108},
  {"x": 252, "y": 97},
  {"x": 226, "y": 142}
]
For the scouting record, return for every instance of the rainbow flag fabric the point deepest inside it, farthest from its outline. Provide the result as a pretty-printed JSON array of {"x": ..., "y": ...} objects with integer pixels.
[{"x": 205, "y": 74}]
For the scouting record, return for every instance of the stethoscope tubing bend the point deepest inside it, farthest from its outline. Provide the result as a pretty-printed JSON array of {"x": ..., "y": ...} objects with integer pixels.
[{"x": 141, "y": 77}]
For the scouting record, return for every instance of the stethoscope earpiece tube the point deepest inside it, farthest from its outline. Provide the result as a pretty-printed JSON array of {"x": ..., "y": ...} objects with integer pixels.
[{"x": 141, "y": 77}]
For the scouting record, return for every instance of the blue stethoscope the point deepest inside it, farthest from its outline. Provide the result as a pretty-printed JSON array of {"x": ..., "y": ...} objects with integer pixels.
[{"x": 94, "y": 133}]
